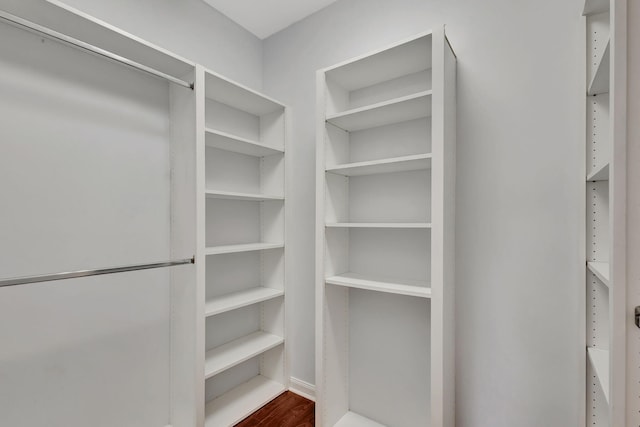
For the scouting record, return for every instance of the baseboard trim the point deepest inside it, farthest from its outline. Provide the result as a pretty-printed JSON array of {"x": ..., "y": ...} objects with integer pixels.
[{"x": 302, "y": 388}]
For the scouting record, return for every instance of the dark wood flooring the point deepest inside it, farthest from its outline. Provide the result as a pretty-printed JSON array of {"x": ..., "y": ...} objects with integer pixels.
[{"x": 286, "y": 410}]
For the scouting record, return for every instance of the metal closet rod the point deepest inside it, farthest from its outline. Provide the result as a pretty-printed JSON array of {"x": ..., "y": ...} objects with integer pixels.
[
  {"x": 86, "y": 273},
  {"x": 39, "y": 29}
]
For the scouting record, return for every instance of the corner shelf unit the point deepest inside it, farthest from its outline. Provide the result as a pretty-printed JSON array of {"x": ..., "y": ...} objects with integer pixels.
[
  {"x": 604, "y": 294},
  {"x": 242, "y": 234},
  {"x": 385, "y": 237}
]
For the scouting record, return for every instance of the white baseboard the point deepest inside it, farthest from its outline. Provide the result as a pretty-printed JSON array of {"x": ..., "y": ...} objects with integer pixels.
[{"x": 302, "y": 388}]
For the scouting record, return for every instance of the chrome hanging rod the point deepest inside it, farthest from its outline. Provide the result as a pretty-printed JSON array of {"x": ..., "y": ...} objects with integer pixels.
[
  {"x": 85, "y": 273},
  {"x": 39, "y": 29}
]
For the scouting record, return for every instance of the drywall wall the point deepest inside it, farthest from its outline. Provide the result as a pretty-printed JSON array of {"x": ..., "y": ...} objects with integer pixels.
[
  {"x": 189, "y": 28},
  {"x": 519, "y": 191},
  {"x": 633, "y": 211}
]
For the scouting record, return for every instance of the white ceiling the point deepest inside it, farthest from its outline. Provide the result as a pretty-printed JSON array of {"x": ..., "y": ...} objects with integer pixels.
[{"x": 266, "y": 17}]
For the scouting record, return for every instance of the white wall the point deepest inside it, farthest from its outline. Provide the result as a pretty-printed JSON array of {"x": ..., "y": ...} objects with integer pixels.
[
  {"x": 520, "y": 161},
  {"x": 189, "y": 28}
]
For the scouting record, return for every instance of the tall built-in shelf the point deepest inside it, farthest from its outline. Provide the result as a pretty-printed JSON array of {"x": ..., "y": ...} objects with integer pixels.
[
  {"x": 242, "y": 193},
  {"x": 604, "y": 294},
  {"x": 385, "y": 237}
]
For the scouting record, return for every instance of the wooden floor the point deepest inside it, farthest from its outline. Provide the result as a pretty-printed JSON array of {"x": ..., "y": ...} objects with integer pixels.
[{"x": 286, "y": 410}]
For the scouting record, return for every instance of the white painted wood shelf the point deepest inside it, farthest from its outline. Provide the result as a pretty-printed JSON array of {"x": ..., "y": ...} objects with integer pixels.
[
  {"x": 396, "y": 110},
  {"x": 599, "y": 360},
  {"x": 595, "y": 6},
  {"x": 600, "y": 174},
  {"x": 239, "y": 96},
  {"x": 601, "y": 270},
  {"x": 396, "y": 164},
  {"x": 240, "y": 299},
  {"x": 230, "y": 195},
  {"x": 240, "y": 350},
  {"x": 247, "y": 247},
  {"x": 236, "y": 144},
  {"x": 600, "y": 81},
  {"x": 235, "y": 405},
  {"x": 351, "y": 419},
  {"x": 413, "y": 288},
  {"x": 406, "y": 225}
]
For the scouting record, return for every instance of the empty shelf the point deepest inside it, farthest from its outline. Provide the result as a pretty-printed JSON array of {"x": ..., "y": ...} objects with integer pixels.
[
  {"x": 351, "y": 419},
  {"x": 600, "y": 80},
  {"x": 238, "y": 96},
  {"x": 600, "y": 174},
  {"x": 396, "y": 164},
  {"x": 413, "y": 288},
  {"x": 240, "y": 299},
  {"x": 595, "y": 6},
  {"x": 601, "y": 270},
  {"x": 229, "y": 195},
  {"x": 231, "y": 354},
  {"x": 228, "y": 142},
  {"x": 248, "y": 247},
  {"x": 600, "y": 362},
  {"x": 384, "y": 113},
  {"x": 235, "y": 405},
  {"x": 379, "y": 225}
]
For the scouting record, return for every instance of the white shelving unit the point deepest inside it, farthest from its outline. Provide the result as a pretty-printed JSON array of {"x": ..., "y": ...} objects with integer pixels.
[
  {"x": 242, "y": 240},
  {"x": 385, "y": 237},
  {"x": 605, "y": 221}
]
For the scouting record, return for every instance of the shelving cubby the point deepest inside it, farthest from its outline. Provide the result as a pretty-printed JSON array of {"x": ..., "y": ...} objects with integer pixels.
[
  {"x": 385, "y": 174},
  {"x": 245, "y": 364}
]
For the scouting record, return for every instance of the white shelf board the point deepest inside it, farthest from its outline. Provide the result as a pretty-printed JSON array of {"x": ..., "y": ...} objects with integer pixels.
[
  {"x": 600, "y": 174},
  {"x": 238, "y": 96},
  {"x": 351, "y": 419},
  {"x": 396, "y": 110},
  {"x": 235, "y": 405},
  {"x": 60, "y": 17},
  {"x": 595, "y": 6},
  {"x": 406, "y": 57},
  {"x": 601, "y": 270},
  {"x": 230, "y": 195},
  {"x": 247, "y": 247},
  {"x": 600, "y": 80},
  {"x": 228, "y": 142},
  {"x": 413, "y": 288},
  {"x": 389, "y": 165},
  {"x": 240, "y": 299},
  {"x": 419, "y": 225},
  {"x": 600, "y": 362},
  {"x": 237, "y": 351}
]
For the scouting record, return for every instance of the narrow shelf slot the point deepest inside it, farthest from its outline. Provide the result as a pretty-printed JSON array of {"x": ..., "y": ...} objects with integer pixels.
[
  {"x": 600, "y": 80},
  {"x": 396, "y": 164},
  {"x": 238, "y": 96},
  {"x": 600, "y": 362},
  {"x": 404, "y": 287},
  {"x": 600, "y": 174},
  {"x": 248, "y": 247},
  {"x": 397, "y": 110},
  {"x": 595, "y": 6},
  {"x": 230, "y": 195},
  {"x": 240, "y": 299},
  {"x": 351, "y": 419},
  {"x": 235, "y": 405},
  {"x": 228, "y": 142},
  {"x": 601, "y": 270},
  {"x": 417, "y": 225},
  {"x": 237, "y": 351}
]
